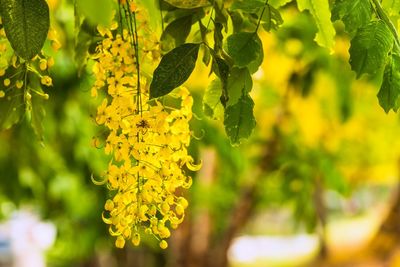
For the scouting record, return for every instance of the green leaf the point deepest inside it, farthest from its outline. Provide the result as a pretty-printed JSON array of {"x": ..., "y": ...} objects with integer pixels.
[
  {"x": 11, "y": 108},
  {"x": 221, "y": 69},
  {"x": 271, "y": 19},
  {"x": 239, "y": 120},
  {"x": 83, "y": 40},
  {"x": 243, "y": 47},
  {"x": 212, "y": 105},
  {"x": 370, "y": 47},
  {"x": 250, "y": 6},
  {"x": 239, "y": 83},
  {"x": 188, "y": 4},
  {"x": 319, "y": 9},
  {"x": 390, "y": 90},
  {"x": 174, "y": 69},
  {"x": 354, "y": 14},
  {"x": 96, "y": 11},
  {"x": 278, "y": 3},
  {"x": 26, "y": 23},
  {"x": 175, "y": 33}
]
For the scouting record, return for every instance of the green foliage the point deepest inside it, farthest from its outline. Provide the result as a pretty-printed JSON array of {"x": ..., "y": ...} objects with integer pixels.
[
  {"x": 212, "y": 106},
  {"x": 271, "y": 19},
  {"x": 354, "y": 14},
  {"x": 188, "y": 3},
  {"x": 248, "y": 6},
  {"x": 239, "y": 120},
  {"x": 176, "y": 32},
  {"x": 26, "y": 23},
  {"x": 319, "y": 9},
  {"x": 239, "y": 83},
  {"x": 370, "y": 47},
  {"x": 390, "y": 90},
  {"x": 244, "y": 48},
  {"x": 174, "y": 69}
]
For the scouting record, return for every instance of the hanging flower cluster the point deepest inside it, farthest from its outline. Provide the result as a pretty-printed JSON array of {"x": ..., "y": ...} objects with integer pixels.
[
  {"x": 147, "y": 141},
  {"x": 17, "y": 73}
]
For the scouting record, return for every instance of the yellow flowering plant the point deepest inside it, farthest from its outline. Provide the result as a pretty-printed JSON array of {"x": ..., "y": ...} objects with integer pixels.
[{"x": 147, "y": 140}]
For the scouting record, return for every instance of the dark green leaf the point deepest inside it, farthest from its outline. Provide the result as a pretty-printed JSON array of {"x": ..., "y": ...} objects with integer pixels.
[
  {"x": 271, "y": 19},
  {"x": 175, "y": 33},
  {"x": 239, "y": 83},
  {"x": 218, "y": 37},
  {"x": 250, "y": 6},
  {"x": 221, "y": 15},
  {"x": 174, "y": 69},
  {"x": 390, "y": 90},
  {"x": 243, "y": 47},
  {"x": 237, "y": 20},
  {"x": 26, "y": 23},
  {"x": 355, "y": 13},
  {"x": 239, "y": 120},
  {"x": 370, "y": 47}
]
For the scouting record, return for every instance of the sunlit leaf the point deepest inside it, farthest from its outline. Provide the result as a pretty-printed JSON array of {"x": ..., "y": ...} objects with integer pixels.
[
  {"x": 319, "y": 9},
  {"x": 212, "y": 106},
  {"x": 271, "y": 19},
  {"x": 239, "y": 120},
  {"x": 239, "y": 83},
  {"x": 354, "y": 14},
  {"x": 390, "y": 90},
  {"x": 370, "y": 47}
]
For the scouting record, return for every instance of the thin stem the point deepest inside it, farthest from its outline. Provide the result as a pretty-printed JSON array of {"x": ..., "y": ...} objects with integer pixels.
[
  {"x": 120, "y": 21},
  {"x": 260, "y": 18}
]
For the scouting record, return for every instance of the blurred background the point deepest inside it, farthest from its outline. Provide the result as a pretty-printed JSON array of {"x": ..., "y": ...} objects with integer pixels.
[{"x": 316, "y": 184}]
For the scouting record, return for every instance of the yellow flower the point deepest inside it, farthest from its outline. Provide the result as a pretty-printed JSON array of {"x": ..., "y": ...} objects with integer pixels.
[
  {"x": 46, "y": 80},
  {"x": 148, "y": 143}
]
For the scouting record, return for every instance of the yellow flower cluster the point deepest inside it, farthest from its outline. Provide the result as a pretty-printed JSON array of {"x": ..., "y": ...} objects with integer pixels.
[{"x": 147, "y": 141}]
